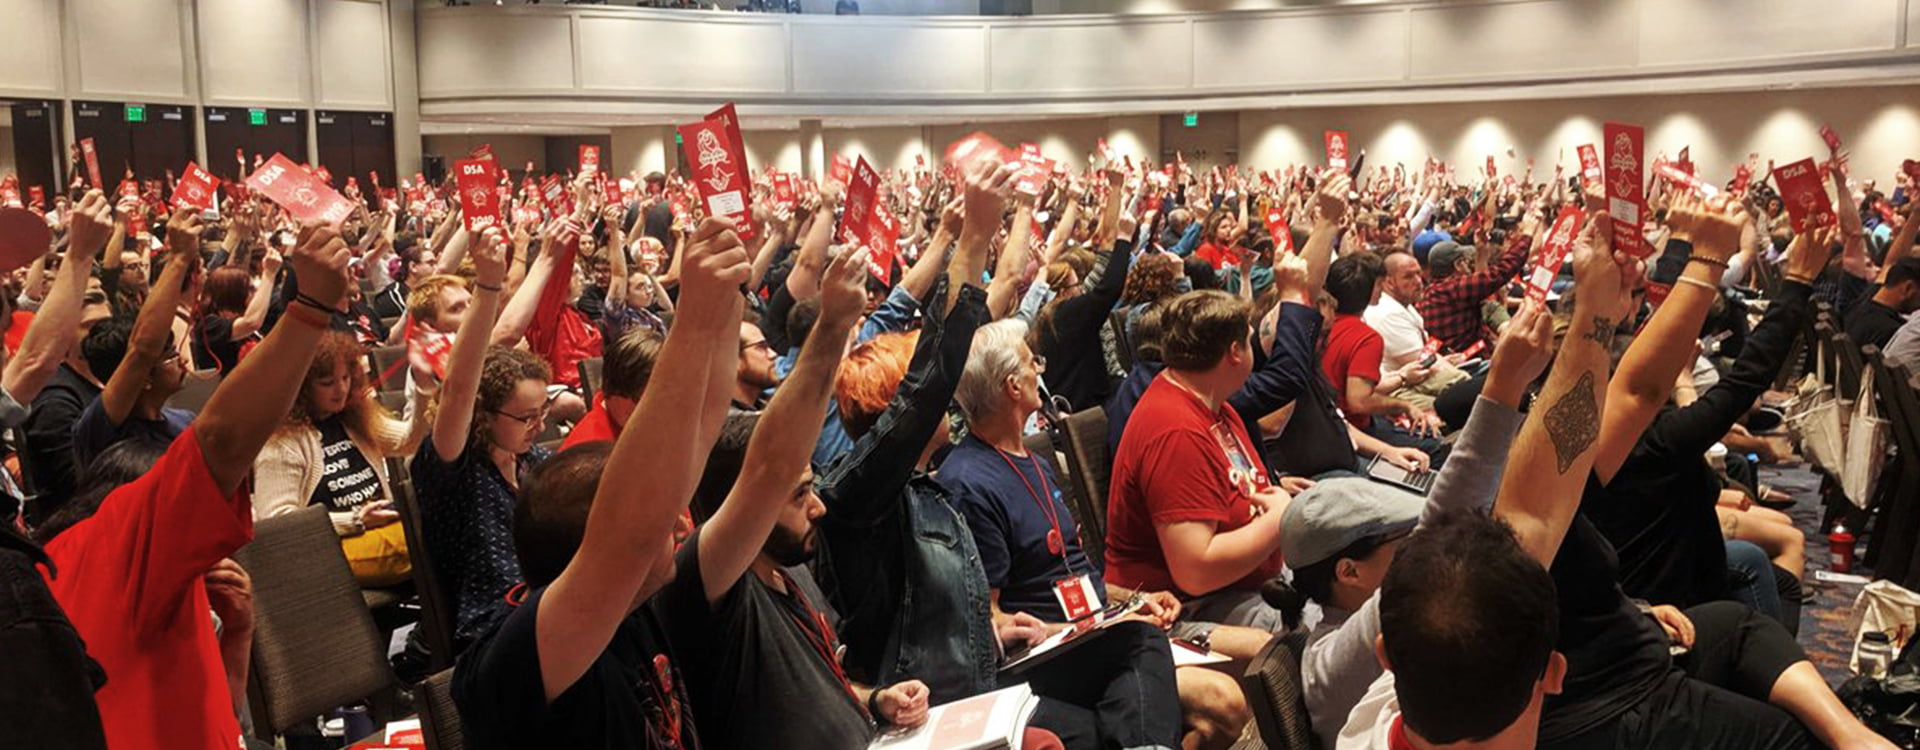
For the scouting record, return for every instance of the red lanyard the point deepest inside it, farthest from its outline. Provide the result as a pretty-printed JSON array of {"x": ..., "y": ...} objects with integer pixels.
[
  {"x": 820, "y": 636},
  {"x": 1056, "y": 541}
]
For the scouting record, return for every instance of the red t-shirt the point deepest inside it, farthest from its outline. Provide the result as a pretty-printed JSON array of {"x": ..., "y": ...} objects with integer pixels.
[
  {"x": 596, "y": 425},
  {"x": 559, "y": 334},
  {"x": 1173, "y": 465},
  {"x": 17, "y": 330},
  {"x": 1218, "y": 256},
  {"x": 131, "y": 581},
  {"x": 1353, "y": 350}
]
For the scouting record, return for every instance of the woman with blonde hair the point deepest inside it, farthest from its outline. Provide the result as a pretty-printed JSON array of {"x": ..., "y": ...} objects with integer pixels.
[{"x": 332, "y": 451}]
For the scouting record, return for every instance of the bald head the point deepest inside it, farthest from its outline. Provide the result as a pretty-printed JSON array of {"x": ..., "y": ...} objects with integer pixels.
[{"x": 1403, "y": 281}]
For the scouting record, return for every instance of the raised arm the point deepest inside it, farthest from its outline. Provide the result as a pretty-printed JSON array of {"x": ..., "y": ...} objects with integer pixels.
[
  {"x": 629, "y": 521},
  {"x": 559, "y": 240},
  {"x": 1331, "y": 199},
  {"x": 461, "y": 389},
  {"x": 149, "y": 339},
  {"x": 1647, "y": 372},
  {"x": 1005, "y": 287},
  {"x": 57, "y": 324},
  {"x": 255, "y": 397},
  {"x": 919, "y": 278},
  {"x": 616, "y": 256},
  {"x": 804, "y": 280},
  {"x": 782, "y": 444},
  {"x": 255, "y": 315},
  {"x": 1547, "y": 470}
]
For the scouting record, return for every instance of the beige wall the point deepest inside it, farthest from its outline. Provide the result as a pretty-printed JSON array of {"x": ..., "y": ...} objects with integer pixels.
[
  {"x": 512, "y": 151},
  {"x": 1880, "y": 125}
]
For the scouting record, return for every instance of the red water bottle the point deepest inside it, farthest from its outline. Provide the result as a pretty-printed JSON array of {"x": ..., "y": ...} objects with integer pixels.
[{"x": 1840, "y": 543}]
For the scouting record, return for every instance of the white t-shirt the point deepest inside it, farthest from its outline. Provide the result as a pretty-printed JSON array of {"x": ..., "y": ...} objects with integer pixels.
[
  {"x": 1370, "y": 725},
  {"x": 1402, "y": 330}
]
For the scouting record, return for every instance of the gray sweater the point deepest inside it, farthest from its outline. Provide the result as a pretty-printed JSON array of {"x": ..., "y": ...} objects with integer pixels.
[{"x": 1339, "y": 663}]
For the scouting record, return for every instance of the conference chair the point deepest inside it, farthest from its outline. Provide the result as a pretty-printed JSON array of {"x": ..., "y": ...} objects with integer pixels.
[
  {"x": 436, "y": 603},
  {"x": 590, "y": 369},
  {"x": 439, "y": 718},
  {"x": 314, "y": 644},
  {"x": 385, "y": 358},
  {"x": 1089, "y": 469},
  {"x": 1273, "y": 689}
]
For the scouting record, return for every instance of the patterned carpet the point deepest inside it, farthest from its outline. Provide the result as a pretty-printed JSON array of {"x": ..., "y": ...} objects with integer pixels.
[{"x": 1825, "y": 630}]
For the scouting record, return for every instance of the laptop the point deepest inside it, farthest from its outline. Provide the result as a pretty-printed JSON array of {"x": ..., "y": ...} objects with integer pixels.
[{"x": 1417, "y": 482}]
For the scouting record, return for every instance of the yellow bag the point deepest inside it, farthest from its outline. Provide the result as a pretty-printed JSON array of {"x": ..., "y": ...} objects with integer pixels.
[{"x": 379, "y": 556}]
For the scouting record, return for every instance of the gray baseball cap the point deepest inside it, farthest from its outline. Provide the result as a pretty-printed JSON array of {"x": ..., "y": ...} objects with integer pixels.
[
  {"x": 1446, "y": 254},
  {"x": 1337, "y": 512}
]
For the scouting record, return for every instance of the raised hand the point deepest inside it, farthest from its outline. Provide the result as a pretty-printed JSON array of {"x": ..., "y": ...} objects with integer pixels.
[
  {"x": 1331, "y": 198},
  {"x": 489, "y": 255},
  {"x": 183, "y": 231},
  {"x": 1807, "y": 257},
  {"x": 320, "y": 260},
  {"x": 1604, "y": 279},
  {"x": 1716, "y": 232},
  {"x": 91, "y": 224},
  {"x": 1524, "y": 350},
  {"x": 843, "y": 289},
  {"x": 716, "y": 262},
  {"x": 987, "y": 185}
]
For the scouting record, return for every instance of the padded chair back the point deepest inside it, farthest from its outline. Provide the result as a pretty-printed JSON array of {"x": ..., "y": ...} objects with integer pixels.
[
  {"x": 314, "y": 644},
  {"x": 1896, "y": 530},
  {"x": 436, "y": 603},
  {"x": 1273, "y": 689},
  {"x": 1088, "y": 471},
  {"x": 590, "y": 369},
  {"x": 195, "y": 391},
  {"x": 439, "y": 718},
  {"x": 384, "y": 358},
  {"x": 1123, "y": 343}
]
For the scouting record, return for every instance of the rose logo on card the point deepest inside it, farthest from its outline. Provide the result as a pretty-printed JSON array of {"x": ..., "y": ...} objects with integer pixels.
[
  {"x": 1627, "y": 162},
  {"x": 713, "y": 156}
]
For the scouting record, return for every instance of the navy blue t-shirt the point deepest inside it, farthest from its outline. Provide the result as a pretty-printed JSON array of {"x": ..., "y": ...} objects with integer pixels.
[{"x": 1010, "y": 528}]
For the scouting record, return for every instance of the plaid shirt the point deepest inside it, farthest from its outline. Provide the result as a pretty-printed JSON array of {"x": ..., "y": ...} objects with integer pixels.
[{"x": 1452, "y": 305}]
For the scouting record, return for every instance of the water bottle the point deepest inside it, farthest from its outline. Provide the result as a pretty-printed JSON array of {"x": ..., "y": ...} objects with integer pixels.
[{"x": 1874, "y": 657}]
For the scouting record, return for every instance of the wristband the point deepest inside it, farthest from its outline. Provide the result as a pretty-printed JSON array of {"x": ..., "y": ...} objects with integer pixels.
[
  {"x": 1803, "y": 280},
  {"x": 301, "y": 315},
  {"x": 1702, "y": 284},
  {"x": 1715, "y": 262},
  {"x": 873, "y": 706},
  {"x": 478, "y": 285},
  {"x": 316, "y": 304}
]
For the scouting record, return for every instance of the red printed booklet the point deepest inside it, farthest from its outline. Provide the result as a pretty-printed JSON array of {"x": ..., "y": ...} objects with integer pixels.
[{"x": 990, "y": 721}]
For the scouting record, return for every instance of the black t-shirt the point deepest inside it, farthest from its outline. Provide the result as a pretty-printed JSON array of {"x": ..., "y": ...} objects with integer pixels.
[
  {"x": 757, "y": 679},
  {"x": 347, "y": 479},
  {"x": 1614, "y": 653},
  {"x": 592, "y": 300},
  {"x": 213, "y": 344},
  {"x": 617, "y": 704},
  {"x": 1315, "y": 440},
  {"x": 1872, "y": 323}
]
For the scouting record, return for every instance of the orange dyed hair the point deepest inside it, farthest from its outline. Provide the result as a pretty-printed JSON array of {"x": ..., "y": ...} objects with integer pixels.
[{"x": 868, "y": 378}]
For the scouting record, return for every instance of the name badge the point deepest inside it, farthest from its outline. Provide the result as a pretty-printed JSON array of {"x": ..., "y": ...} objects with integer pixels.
[{"x": 1076, "y": 595}]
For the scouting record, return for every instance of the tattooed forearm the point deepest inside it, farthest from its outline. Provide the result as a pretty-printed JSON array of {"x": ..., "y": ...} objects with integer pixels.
[
  {"x": 1573, "y": 422},
  {"x": 1602, "y": 333}
]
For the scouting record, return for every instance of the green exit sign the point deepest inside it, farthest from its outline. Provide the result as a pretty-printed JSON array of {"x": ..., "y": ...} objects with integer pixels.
[
  {"x": 136, "y": 113},
  {"x": 677, "y": 140},
  {"x": 1193, "y": 119},
  {"x": 256, "y": 117}
]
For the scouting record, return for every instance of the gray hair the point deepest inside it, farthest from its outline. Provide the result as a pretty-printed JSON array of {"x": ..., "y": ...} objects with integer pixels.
[{"x": 994, "y": 357}]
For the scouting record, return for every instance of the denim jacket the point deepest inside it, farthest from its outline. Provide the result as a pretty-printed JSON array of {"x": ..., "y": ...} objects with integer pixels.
[{"x": 897, "y": 559}]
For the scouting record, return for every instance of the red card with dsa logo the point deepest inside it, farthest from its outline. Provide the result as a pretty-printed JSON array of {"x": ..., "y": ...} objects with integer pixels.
[
  {"x": 1806, "y": 198},
  {"x": 718, "y": 174},
  {"x": 1336, "y": 148},
  {"x": 885, "y": 233},
  {"x": 863, "y": 189},
  {"x": 1553, "y": 254},
  {"x": 1589, "y": 162},
  {"x": 93, "y": 162},
  {"x": 975, "y": 147},
  {"x": 1625, "y": 146},
  {"x": 196, "y": 188},
  {"x": 842, "y": 171},
  {"x": 479, "y": 198},
  {"x": 299, "y": 192},
  {"x": 589, "y": 158}
]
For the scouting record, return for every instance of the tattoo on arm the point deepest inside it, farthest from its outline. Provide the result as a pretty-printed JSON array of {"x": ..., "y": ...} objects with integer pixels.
[
  {"x": 1573, "y": 422},
  {"x": 1602, "y": 333}
]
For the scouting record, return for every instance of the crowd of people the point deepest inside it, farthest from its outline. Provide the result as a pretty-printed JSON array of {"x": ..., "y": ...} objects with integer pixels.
[{"x": 794, "y": 499}]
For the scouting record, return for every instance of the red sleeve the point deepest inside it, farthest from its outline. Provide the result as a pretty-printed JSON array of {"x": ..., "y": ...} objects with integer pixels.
[
  {"x": 543, "y": 333},
  {"x": 158, "y": 534},
  {"x": 1365, "y": 362},
  {"x": 1186, "y": 480}
]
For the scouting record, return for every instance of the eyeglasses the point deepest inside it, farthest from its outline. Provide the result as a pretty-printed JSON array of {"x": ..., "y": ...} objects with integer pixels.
[
  {"x": 530, "y": 419},
  {"x": 761, "y": 344}
]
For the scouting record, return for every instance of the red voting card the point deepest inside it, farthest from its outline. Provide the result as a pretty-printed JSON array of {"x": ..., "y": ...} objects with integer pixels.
[
  {"x": 1336, "y": 148},
  {"x": 729, "y": 120},
  {"x": 1685, "y": 159},
  {"x": 93, "y": 162},
  {"x": 1832, "y": 139},
  {"x": 862, "y": 192},
  {"x": 885, "y": 232},
  {"x": 38, "y": 196},
  {"x": 196, "y": 188},
  {"x": 1554, "y": 253},
  {"x": 610, "y": 192},
  {"x": 842, "y": 170},
  {"x": 1589, "y": 162},
  {"x": 718, "y": 174},
  {"x": 975, "y": 147},
  {"x": 1680, "y": 176},
  {"x": 1625, "y": 159},
  {"x": 1491, "y": 169},
  {"x": 482, "y": 151},
  {"x": 1034, "y": 170},
  {"x": 589, "y": 158},
  {"x": 783, "y": 194},
  {"x": 551, "y": 190},
  {"x": 299, "y": 192},
  {"x": 479, "y": 196},
  {"x": 1742, "y": 176},
  {"x": 1806, "y": 198},
  {"x": 1277, "y": 224}
]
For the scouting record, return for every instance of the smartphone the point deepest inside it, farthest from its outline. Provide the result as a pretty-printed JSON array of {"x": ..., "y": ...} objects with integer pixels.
[
  {"x": 1428, "y": 362},
  {"x": 1353, "y": 171}
]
